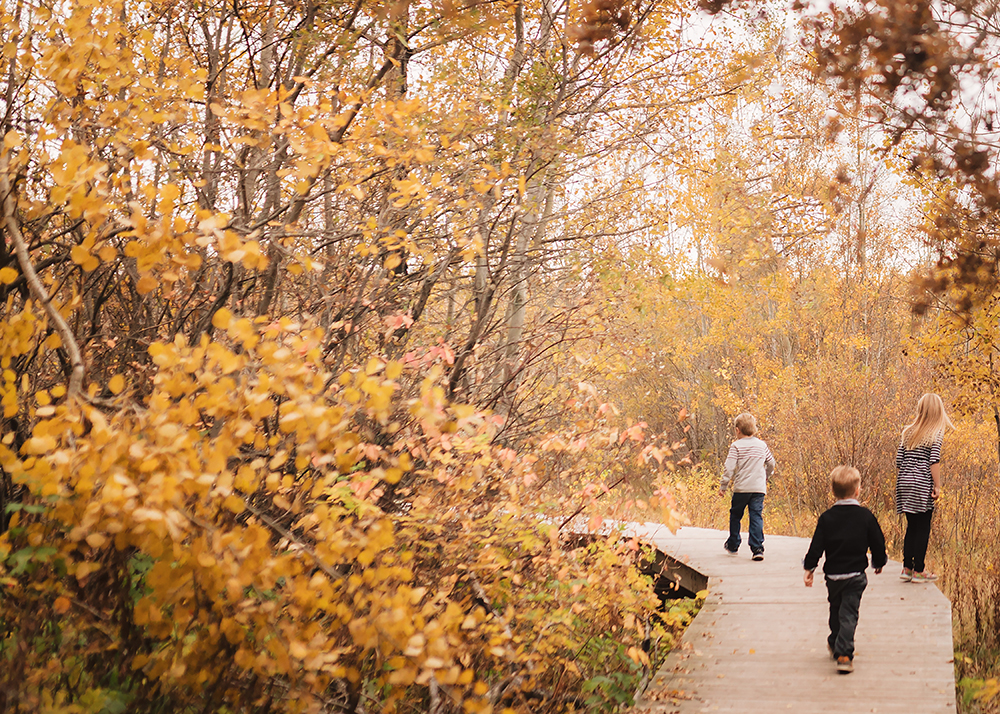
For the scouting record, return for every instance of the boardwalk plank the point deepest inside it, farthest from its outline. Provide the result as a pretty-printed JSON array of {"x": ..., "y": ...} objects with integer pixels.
[{"x": 759, "y": 643}]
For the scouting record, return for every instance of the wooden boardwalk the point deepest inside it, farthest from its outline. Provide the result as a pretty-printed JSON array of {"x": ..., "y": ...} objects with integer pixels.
[{"x": 758, "y": 645}]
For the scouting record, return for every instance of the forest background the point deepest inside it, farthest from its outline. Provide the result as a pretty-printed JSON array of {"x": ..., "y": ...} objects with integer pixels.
[{"x": 322, "y": 321}]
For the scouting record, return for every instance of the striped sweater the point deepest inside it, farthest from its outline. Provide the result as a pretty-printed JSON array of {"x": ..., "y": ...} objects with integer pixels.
[
  {"x": 748, "y": 466},
  {"x": 913, "y": 477}
]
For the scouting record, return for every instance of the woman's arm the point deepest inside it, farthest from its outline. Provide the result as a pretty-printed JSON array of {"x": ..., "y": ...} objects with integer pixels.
[{"x": 936, "y": 475}]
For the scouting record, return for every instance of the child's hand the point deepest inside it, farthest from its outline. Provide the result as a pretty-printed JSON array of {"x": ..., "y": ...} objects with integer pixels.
[
  {"x": 807, "y": 578},
  {"x": 878, "y": 571},
  {"x": 722, "y": 492}
]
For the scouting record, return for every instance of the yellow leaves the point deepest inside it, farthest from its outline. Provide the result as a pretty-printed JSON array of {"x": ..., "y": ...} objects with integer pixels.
[
  {"x": 8, "y": 275},
  {"x": 352, "y": 189},
  {"x": 85, "y": 569},
  {"x": 75, "y": 173},
  {"x": 146, "y": 285},
  {"x": 987, "y": 690},
  {"x": 243, "y": 331},
  {"x": 223, "y": 359},
  {"x": 407, "y": 191},
  {"x": 83, "y": 257},
  {"x": 147, "y": 612},
  {"x": 222, "y": 318},
  {"x": 232, "y": 630},
  {"x": 352, "y": 395},
  {"x": 39, "y": 445},
  {"x": 164, "y": 355},
  {"x": 236, "y": 250},
  {"x": 116, "y": 384},
  {"x": 404, "y": 676},
  {"x": 160, "y": 577},
  {"x": 12, "y": 139},
  {"x": 267, "y": 541},
  {"x": 415, "y": 645},
  {"x": 169, "y": 194}
]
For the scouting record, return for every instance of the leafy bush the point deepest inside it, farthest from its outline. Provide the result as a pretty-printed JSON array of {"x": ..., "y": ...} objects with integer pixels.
[{"x": 217, "y": 545}]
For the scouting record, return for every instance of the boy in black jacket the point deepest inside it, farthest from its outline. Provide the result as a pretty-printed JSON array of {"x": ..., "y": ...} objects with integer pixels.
[{"x": 845, "y": 532}]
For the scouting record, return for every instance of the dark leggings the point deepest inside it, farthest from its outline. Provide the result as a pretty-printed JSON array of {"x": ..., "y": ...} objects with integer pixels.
[{"x": 918, "y": 532}]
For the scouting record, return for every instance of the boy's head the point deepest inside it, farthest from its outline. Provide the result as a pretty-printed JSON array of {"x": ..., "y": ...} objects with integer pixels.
[
  {"x": 846, "y": 481},
  {"x": 746, "y": 424}
]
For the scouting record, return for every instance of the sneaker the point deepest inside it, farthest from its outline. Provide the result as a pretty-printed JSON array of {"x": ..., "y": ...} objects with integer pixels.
[
  {"x": 906, "y": 575},
  {"x": 845, "y": 665},
  {"x": 728, "y": 552},
  {"x": 758, "y": 556},
  {"x": 924, "y": 577}
]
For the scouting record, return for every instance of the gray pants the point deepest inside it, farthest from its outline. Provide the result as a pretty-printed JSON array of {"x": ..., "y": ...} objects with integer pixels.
[{"x": 845, "y": 601}]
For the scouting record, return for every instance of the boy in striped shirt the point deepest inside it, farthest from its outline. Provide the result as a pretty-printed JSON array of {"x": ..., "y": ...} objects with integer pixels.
[{"x": 749, "y": 465}]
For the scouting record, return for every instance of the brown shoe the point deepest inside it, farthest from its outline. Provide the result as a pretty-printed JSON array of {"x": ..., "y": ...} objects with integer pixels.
[{"x": 845, "y": 665}]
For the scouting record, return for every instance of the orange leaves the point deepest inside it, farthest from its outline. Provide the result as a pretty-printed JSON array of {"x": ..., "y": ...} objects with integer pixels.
[
  {"x": 273, "y": 557},
  {"x": 77, "y": 176},
  {"x": 261, "y": 517},
  {"x": 234, "y": 504},
  {"x": 407, "y": 191},
  {"x": 169, "y": 193},
  {"x": 38, "y": 445},
  {"x": 232, "y": 247},
  {"x": 116, "y": 384},
  {"x": 12, "y": 140}
]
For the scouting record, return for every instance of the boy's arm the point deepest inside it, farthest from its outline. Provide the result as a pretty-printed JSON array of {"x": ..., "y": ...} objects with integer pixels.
[
  {"x": 769, "y": 462},
  {"x": 816, "y": 548},
  {"x": 730, "y": 468},
  {"x": 876, "y": 542}
]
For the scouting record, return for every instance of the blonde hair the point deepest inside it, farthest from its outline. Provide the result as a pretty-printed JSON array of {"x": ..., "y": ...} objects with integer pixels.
[
  {"x": 845, "y": 481},
  {"x": 929, "y": 424},
  {"x": 746, "y": 424}
]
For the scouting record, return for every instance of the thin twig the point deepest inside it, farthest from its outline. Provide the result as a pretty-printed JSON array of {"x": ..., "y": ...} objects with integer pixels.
[{"x": 38, "y": 290}]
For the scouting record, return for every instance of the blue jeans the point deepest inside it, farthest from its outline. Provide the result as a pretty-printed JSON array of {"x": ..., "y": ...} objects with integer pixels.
[
  {"x": 845, "y": 602},
  {"x": 741, "y": 502}
]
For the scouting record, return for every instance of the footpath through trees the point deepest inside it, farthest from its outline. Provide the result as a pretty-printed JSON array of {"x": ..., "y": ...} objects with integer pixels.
[{"x": 759, "y": 643}]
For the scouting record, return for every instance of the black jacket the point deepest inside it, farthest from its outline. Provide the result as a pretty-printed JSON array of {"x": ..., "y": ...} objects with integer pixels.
[{"x": 846, "y": 533}]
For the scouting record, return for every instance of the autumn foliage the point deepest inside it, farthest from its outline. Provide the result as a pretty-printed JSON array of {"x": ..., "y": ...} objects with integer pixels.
[
  {"x": 324, "y": 327},
  {"x": 294, "y": 417},
  {"x": 219, "y": 543}
]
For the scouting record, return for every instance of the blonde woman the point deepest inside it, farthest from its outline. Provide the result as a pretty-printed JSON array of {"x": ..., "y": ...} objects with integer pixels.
[{"x": 918, "y": 482}]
